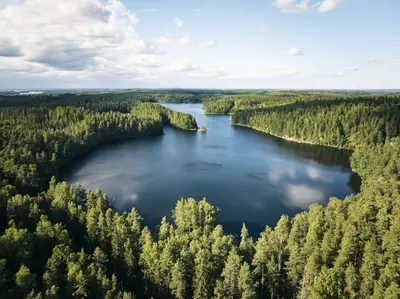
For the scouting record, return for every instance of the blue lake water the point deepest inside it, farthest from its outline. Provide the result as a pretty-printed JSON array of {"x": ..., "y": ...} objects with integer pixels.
[{"x": 251, "y": 177}]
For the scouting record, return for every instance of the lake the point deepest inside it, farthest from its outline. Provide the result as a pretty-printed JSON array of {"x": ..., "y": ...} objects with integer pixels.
[{"x": 249, "y": 176}]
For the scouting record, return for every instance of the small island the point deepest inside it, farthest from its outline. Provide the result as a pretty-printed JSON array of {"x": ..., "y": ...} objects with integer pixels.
[{"x": 203, "y": 129}]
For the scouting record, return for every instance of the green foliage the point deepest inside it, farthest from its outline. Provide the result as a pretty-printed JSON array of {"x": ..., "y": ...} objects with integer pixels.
[
  {"x": 342, "y": 122},
  {"x": 218, "y": 107},
  {"x": 177, "y": 119}
]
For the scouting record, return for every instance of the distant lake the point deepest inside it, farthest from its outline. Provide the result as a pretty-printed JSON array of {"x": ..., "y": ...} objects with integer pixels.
[{"x": 250, "y": 176}]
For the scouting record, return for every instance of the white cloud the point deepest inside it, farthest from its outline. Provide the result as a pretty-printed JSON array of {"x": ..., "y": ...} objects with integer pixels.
[
  {"x": 183, "y": 66},
  {"x": 303, "y": 6},
  {"x": 209, "y": 44},
  {"x": 292, "y": 6},
  {"x": 178, "y": 22},
  {"x": 169, "y": 39},
  {"x": 328, "y": 5},
  {"x": 162, "y": 40},
  {"x": 294, "y": 52},
  {"x": 184, "y": 39},
  {"x": 73, "y": 38}
]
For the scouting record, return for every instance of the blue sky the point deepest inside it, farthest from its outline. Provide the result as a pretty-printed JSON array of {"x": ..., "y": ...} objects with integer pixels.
[{"x": 318, "y": 44}]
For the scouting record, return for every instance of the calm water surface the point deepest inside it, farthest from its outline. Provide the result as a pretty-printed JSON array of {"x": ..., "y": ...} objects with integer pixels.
[{"x": 250, "y": 176}]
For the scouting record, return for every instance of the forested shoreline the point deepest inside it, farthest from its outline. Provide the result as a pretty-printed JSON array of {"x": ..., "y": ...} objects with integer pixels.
[
  {"x": 343, "y": 122},
  {"x": 67, "y": 242}
]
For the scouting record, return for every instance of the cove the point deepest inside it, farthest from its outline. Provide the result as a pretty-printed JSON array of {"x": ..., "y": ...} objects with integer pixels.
[{"x": 249, "y": 176}]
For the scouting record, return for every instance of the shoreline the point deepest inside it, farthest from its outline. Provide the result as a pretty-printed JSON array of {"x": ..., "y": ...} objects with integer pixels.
[
  {"x": 217, "y": 113},
  {"x": 290, "y": 139}
]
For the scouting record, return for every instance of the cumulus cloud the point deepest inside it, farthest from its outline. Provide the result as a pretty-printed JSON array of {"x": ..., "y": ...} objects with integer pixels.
[
  {"x": 64, "y": 37},
  {"x": 328, "y": 5},
  {"x": 208, "y": 44},
  {"x": 178, "y": 22},
  {"x": 303, "y": 6},
  {"x": 292, "y": 6},
  {"x": 68, "y": 56},
  {"x": 8, "y": 49},
  {"x": 294, "y": 52}
]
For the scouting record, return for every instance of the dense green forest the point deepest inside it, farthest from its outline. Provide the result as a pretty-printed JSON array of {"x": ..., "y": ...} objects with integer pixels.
[
  {"x": 345, "y": 121},
  {"x": 37, "y": 142},
  {"x": 62, "y": 241}
]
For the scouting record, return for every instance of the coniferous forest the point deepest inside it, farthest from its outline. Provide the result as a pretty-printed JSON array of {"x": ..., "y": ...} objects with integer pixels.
[{"x": 62, "y": 241}]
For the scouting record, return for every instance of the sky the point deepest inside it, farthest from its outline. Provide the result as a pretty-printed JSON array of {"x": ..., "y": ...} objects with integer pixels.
[{"x": 267, "y": 44}]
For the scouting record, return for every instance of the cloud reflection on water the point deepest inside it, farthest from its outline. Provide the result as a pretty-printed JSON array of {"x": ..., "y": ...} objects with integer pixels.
[
  {"x": 302, "y": 196},
  {"x": 301, "y": 186},
  {"x": 317, "y": 175},
  {"x": 278, "y": 174}
]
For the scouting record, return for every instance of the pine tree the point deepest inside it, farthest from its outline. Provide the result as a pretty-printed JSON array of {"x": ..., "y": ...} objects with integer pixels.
[
  {"x": 370, "y": 269},
  {"x": 246, "y": 246},
  {"x": 25, "y": 281},
  {"x": 326, "y": 285},
  {"x": 352, "y": 282},
  {"x": 230, "y": 275},
  {"x": 247, "y": 286},
  {"x": 202, "y": 280}
]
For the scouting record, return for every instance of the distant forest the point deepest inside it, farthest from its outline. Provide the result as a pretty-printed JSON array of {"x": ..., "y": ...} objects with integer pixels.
[{"x": 62, "y": 241}]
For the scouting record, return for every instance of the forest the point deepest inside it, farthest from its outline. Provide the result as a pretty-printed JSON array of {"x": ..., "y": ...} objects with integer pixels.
[
  {"x": 37, "y": 142},
  {"x": 344, "y": 122},
  {"x": 62, "y": 241}
]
